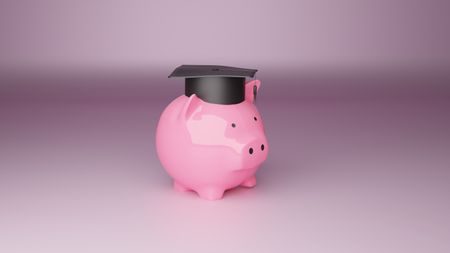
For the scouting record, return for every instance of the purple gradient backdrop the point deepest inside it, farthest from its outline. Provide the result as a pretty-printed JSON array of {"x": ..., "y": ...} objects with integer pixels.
[
  {"x": 312, "y": 34},
  {"x": 355, "y": 96}
]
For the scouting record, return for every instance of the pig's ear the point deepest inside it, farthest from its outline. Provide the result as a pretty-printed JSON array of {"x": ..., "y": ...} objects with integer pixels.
[
  {"x": 191, "y": 105},
  {"x": 251, "y": 90}
]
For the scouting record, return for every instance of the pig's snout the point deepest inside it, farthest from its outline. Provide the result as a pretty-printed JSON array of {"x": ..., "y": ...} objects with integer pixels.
[{"x": 255, "y": 152}]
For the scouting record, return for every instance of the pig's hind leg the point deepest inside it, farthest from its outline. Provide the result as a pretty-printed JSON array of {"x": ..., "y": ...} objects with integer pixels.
[
  {"x": 249, "y": 182},
  {"x": 210, "y": 193}
]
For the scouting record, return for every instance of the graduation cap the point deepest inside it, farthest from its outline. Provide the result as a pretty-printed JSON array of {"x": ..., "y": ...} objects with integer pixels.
[{"x": 214, "y": 84}]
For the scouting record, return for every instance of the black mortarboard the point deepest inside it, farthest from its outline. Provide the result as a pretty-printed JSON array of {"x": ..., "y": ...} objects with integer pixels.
[{"x": 214, "y": 84}]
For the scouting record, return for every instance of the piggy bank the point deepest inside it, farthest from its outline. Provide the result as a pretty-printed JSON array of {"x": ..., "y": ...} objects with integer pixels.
[{"x": 212, "y": 138}]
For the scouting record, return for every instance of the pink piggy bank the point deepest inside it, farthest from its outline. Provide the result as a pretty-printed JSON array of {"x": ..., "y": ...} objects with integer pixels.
[{"x": 212, "y": 138}]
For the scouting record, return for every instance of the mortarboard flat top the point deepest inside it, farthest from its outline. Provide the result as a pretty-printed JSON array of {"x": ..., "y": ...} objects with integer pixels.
[{"x": 189, "y": 71}]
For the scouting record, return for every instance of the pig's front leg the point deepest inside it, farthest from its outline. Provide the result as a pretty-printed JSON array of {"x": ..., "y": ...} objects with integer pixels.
[
  {"x": 210, "y": 193},
  {"x": 249, "y": 182}
]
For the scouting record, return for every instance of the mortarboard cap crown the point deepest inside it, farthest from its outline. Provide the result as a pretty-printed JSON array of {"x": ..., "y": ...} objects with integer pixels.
[{"x": 213, "y": 83}]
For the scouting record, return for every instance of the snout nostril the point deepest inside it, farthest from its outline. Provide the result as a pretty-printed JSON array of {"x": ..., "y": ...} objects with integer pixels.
[
  {"x": 262, "y": 146},
  {"x": 250, "y": 150}
]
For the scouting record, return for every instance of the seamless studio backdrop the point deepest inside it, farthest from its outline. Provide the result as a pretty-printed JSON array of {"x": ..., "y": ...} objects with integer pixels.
[{"x": 355, "y": 97}]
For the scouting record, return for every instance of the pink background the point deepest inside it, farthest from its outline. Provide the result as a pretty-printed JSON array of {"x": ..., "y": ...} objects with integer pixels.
[
  {"x": 355, "y": 96},
  {"x": 271, "y": 34}
]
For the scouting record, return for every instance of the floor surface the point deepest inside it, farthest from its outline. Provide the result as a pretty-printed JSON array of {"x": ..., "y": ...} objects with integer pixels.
[{"x": 343, "y": 175}]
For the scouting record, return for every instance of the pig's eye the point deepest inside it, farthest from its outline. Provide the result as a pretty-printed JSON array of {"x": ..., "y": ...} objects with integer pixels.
[
  {"x": 256, "y": 119},
  {"x": 233, "y": 125}
]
